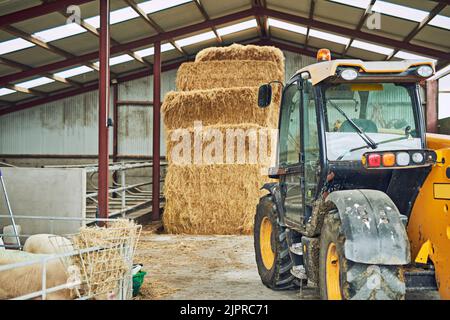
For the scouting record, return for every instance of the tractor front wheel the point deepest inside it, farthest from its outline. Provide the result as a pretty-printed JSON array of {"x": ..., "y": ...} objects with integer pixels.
[
  {"x": 342, "y": 279},
  {"x": 271, "y": 248}
]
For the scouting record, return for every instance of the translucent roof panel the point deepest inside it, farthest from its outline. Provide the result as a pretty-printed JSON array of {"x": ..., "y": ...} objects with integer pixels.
[
  {"x": 14, "y": 45},
  {"x": 441, "y": 22},
  {"x": 35, "y": 82},
  {"x": 115, "y": 16},
  {"x": 73, "y": 72},
  {"x": 371, "y": 47},
  {"x": 237, "y": 27},
  {"x": 444, "y": 100},
  {"x": 328, "y": 36},
  {"x": 410, "y": 56},
  {"x": 60, "y": 32},
  {"x": 439, "y": 74},
  {"x": 5, "y": 91},
  {"x": 399, "y": 11},
  {"x": 158, "y": 5},
  {"x": 150, "y": 51},
  {"x": 118, "y": 59},
  {"x": 354, "y": 3},
  {"x": 195, "y": 39},
  {"x": 287, "y": 26},
  {"x": 444, "y": 83}
]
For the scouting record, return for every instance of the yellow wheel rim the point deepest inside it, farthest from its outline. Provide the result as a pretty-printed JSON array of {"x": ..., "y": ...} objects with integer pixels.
[
  {"x": 332, "y": 274},
  {"x": 265, "y": 243}
]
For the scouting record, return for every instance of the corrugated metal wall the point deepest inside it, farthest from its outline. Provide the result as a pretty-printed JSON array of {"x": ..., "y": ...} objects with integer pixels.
[
  {"x": 66, "y": 126},
  {"x": 69, "y": 126}
]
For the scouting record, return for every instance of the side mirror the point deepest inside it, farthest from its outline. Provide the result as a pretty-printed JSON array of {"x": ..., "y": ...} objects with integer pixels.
[{"x": 264, "y": 95}]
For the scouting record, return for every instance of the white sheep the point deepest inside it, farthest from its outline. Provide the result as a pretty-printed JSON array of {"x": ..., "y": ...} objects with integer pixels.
[
  {"x": 53, "y": 244},
  {"x": 24, "y": 280},
  {"x": 47, "y": 244}
]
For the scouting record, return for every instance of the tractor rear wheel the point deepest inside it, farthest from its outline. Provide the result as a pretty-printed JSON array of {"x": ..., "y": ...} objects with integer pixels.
[
  {"x": 271, "y": 248},
  {"x": 342, "y": 279}
]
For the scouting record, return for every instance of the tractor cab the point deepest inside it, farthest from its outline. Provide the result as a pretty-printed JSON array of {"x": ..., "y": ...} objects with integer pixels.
[
  {"x": 351, "y": 158},
  {"x": 348, "y": 124}
]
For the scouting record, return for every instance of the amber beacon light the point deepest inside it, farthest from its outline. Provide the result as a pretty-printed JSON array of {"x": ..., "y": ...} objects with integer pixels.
[{"x": 324, "y": 55}]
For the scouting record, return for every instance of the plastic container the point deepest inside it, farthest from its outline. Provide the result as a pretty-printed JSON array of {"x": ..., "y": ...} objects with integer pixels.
[
  {"x": 138, "y": 280},
  {"x": 9, "y": 237}
]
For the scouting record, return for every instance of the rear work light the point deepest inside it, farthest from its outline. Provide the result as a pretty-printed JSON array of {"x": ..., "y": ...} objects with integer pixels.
[
  {"x": 398, "y": 159},
  {"x": 388, "y": 159},
  {"x": 349, "y": 74},
  {"x": 374, "y": 160},
  {"x": 403, "y": 158},
  {"x": 425, "y": 71}
]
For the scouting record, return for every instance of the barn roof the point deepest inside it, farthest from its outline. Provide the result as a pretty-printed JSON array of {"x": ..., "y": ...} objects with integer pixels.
[{"x": 47, "y": 53}]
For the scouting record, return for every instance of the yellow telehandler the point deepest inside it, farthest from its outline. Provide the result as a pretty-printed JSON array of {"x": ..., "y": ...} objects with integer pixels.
[{"x": 360, "y": 208}]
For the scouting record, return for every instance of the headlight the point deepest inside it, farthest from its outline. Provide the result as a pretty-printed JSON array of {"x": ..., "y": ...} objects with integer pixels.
[
  {"x": 417, "y": 157},
  {"x": 349, "y": 74},
  {"x": 425, "y": 71},
  {"x": 403, "y": 158}
]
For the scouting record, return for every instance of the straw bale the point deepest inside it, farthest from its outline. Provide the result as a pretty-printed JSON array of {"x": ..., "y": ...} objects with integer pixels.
[
  {"x": 226, "y": 74},
  {"x": 212, "y": 199},
  {"x": 218, "y": 144},
  {"x": 218, "y": 106},
  {"x": 242, "y": 52}
]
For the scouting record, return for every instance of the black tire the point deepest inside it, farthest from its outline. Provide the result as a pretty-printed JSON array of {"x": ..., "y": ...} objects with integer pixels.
[
  {"x": 279, "y": 276},
  {"x": 358, "y": 281}
]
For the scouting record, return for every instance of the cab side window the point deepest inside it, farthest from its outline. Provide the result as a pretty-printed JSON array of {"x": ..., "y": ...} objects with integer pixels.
[
  {"x": 290, "y": 126},
  {"x": 311, "y": 148}
]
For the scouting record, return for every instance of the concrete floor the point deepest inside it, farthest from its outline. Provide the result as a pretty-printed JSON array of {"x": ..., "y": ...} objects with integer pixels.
[{"x": 209, "y": 267}]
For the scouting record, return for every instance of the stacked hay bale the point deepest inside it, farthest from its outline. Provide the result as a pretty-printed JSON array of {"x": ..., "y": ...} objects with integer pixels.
[{"x": 215, "y": 191}]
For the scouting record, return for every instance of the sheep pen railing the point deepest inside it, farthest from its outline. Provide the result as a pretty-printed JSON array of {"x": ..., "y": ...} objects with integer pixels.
[{"x": 94, "y": 263}]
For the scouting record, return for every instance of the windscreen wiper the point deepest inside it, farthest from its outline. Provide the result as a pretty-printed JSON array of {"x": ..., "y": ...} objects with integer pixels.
[
  {"x": 406, "y": 136},
  {"x": 372, "y": 144}
]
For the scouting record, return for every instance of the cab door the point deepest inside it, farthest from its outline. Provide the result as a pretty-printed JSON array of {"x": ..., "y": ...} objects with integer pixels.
[{"x": 290, "y": 152}]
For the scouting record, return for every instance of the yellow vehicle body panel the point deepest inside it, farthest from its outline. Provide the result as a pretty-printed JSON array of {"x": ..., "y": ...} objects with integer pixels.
[{"x": 429, "y": 224}]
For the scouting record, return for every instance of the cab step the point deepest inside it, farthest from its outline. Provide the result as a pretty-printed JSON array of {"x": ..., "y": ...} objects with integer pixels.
[
  {"x": 299, "y": 272},
  {"x": 296, "y": 248}
]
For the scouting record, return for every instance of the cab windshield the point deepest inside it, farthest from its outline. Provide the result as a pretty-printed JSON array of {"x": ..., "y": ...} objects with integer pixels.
[{"x": 363, "y": 117}]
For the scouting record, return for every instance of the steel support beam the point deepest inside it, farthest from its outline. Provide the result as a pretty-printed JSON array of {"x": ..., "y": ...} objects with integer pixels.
[
  {"x": 103, "y": 105},
  {"x": 156, "y": 130},
  {"x": 312, "y": 7},
  {"x": 115, "y": 129},
  {"x": 361, "y": 22},
  {"x": 127, "y": 46},
  {"x": 153, "y": 24},
  {"x": 38, "y": 11},
  {"x": 91, "y": 86},
  {"x": 222, "y": 20},
  {"x": 206, "y": 17},
  {"x": 432, "y": 106},
  {"x": 170, "y": 65},
  {"x": 433, "y": 13},
  {"x": 115, "y": 121},
  {"x": 354, "y": 33}
]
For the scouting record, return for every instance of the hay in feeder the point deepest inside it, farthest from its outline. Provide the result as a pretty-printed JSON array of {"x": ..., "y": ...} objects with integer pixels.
[
  {"x": 219, "y": 106},
  {"x": 212, "y": 199},
  {"x": 226, "y": 74},
  {"x": 102, "y": 269},
  {"x": 242, "y": 52}
]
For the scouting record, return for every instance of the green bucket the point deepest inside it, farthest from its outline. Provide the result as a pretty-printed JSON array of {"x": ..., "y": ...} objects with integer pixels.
[{"x": 138, "y": 280}]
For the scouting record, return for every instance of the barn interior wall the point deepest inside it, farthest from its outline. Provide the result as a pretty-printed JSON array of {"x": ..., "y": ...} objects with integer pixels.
[{"x": 65, "y": 131}]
